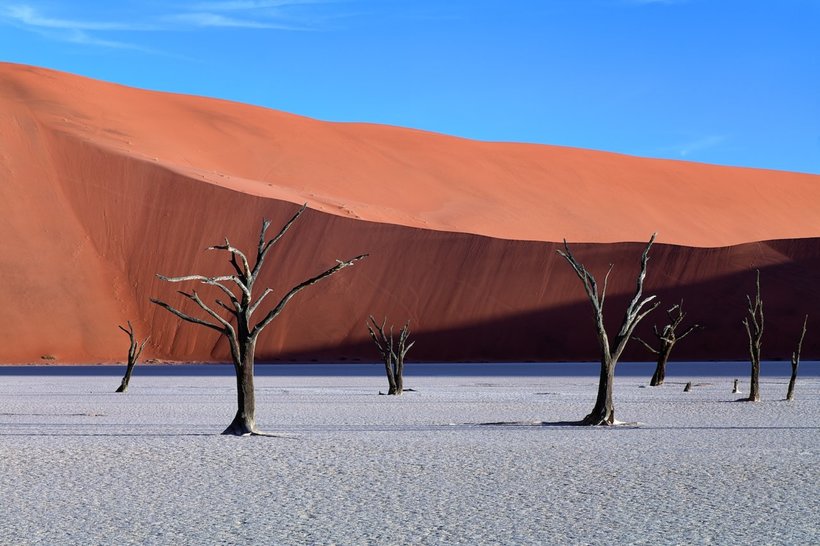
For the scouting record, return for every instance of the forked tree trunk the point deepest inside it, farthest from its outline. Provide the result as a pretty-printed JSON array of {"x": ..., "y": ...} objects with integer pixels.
[{"x": 134, "y": 352}]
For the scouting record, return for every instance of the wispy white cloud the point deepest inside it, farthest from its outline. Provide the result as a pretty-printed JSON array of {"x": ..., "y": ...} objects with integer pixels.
[
  {"x": 75, "y": 31},
  {"x": 207, "y": 19},
  {"x": 29, "y": 16},
  {"x": 227, "y": 14},
  {"x": 77, "y": 36}
]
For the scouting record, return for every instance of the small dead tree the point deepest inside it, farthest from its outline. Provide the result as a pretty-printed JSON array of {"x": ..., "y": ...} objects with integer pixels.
[
  {"x": 392, "y": 352},
  {"x": 604, "y": 411},
  {"x": 134, "y": 352},
  {"x": 796, "y": 362},
  {"x": 239, "y": 328},
  {"x": 667, "y": 339},
  {"x": 754, "y": 330}
]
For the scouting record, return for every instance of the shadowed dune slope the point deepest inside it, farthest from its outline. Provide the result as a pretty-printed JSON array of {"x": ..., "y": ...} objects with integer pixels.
[{"x": 103, "y": 186}]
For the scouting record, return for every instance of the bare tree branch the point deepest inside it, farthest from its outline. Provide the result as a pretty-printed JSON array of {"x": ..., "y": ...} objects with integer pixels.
[
  {"x": 188, "y": 318},
  {"x": 194, "y": 297},
  {"x": 690, "y": 330},
  {"x": 298, "y": 288},
  {"x": 246, "y": 268},
  {"x": 210, "y": 281},
  {"x": 606, "y": 282},
  {"x": 254, "y": 306},
  {"x": 645, "y": 344},
  {"x": 265, "y": 247}
]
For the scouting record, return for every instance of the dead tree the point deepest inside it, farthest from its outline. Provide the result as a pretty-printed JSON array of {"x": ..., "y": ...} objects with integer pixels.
[
  {"x": 754, "y": 329},
  {"x": 604, "y": 411},
  {"x": 134, "y": 352},
  {"x": 238, "y": 327},
  {"x": 796, "y": 362},
  {"x": 392, "y": 352},
  {"x": 667, "y": 339}
]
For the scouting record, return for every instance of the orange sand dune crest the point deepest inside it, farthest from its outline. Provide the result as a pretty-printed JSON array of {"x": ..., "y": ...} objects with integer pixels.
[{"x": 419, "y": 179}]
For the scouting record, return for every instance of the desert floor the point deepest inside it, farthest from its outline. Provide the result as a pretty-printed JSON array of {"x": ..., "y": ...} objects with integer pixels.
[{"x": 80, "y": 464}]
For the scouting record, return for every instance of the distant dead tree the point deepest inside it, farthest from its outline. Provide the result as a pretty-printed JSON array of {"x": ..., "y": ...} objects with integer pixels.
[
  {"x": 604, "y": 411},
  {"x": 667, "y": 339},
  {"x": 796, "y": 362},
  {"x": 392, "y": 352},
  {"x": 754, "y": 330},
  {"x": 238, "y": 328},
  {"x": 134, "y": 352}
]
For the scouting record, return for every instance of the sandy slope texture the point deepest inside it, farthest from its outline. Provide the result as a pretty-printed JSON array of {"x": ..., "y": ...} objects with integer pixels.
[
  {"x": 103, "y": 186},
  {"x": 82, "y": 465}
]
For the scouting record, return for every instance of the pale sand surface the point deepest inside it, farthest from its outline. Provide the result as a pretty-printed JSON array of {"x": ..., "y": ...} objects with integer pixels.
[{"x": 82, "y": 465}]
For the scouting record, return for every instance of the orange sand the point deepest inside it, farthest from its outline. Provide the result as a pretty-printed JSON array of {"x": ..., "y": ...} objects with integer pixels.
[{"x": 103, "y": 186}]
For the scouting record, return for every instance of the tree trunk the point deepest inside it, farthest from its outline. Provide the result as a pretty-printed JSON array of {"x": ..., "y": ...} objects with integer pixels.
[
  {"x": 391, "y": 377},
  {"x": 754, "y": 384},
  {"x": 126, "y": 378},
  {"x": 604, "y": 411},
  {"x": 244, "y": 423},
  {"x": 790, "y": 393},
  {"x": 399, "y": 382},
  {"x": 660, "y": 370}
]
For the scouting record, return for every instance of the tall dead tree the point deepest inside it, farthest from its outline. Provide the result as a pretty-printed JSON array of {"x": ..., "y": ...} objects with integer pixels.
[
  {"x": 796, "y": 362},
  {"x": 604, "y": 411},
  {"x": 754, "y": 330},
  {"x": 134, "y": 351},
  {"x": 238, "y": 327},
  {"x": 392, "y": 352},
  {"x": 667, "y": 339}
]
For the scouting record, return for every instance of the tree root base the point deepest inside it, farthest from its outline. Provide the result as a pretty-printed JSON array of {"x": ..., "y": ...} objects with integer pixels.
[{"x": 395, "y": 393}]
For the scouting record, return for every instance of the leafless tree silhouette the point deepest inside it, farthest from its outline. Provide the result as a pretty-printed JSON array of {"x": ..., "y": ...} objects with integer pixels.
[
  {"x": 604, "y": 411},
  {"x": 238, "y": 327}
]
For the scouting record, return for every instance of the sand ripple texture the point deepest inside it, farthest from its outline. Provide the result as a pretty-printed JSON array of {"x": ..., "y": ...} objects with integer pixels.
[{"x": 82, "y": 465}]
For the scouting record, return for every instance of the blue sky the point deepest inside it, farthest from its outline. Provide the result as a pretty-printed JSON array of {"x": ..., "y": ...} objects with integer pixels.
[{"x": 720, "y": 81}]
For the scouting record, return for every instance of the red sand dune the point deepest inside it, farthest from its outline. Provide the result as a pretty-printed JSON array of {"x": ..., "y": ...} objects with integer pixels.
[{"x": 103, "y": 186}]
